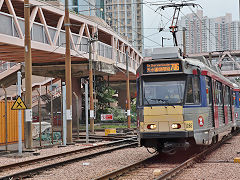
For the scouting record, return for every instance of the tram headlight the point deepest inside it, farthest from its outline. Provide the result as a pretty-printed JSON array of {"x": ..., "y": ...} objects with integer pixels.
[
  {"x": 152, "y": 126},
  {"x": 176, "y": 126}
]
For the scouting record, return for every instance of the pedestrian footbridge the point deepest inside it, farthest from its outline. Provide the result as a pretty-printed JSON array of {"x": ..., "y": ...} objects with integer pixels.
[{"x": 48, "y": 41}]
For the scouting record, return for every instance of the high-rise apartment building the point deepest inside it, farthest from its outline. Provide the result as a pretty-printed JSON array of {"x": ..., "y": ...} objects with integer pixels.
[
  {"x": 205, "y": 34},
  {"x": 126, "y": 18},
  {"x": 84, "y": 7}
]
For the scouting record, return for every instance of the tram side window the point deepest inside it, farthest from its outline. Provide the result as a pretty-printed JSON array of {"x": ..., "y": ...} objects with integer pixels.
[
  {"x": 189, "y": 95},
  {"x": 196, "y": 89},
  {"x": 218, "y": 93},
  {"x": 193, "y": 90},
  {"x": 208, "y": 91},
  {"x": 227, "y": 96},
  {"x": 235, "y": 99}
]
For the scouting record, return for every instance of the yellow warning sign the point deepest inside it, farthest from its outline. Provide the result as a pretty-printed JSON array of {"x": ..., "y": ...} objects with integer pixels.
[{"x": 19, "y": 104}]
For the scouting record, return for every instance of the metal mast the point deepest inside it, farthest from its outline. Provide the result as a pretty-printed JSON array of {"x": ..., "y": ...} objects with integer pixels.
[{"x": 177, "y": 8}]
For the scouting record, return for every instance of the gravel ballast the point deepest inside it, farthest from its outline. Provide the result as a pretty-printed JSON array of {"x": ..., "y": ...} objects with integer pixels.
[
  {"x": 13, "y": 158},
  {"x": 92, "y": 168},
  {"x": 218, "y": 165}
]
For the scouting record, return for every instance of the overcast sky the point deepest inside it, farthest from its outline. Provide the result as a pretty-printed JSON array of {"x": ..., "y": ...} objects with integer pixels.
[{"x": 153, "y": 20}]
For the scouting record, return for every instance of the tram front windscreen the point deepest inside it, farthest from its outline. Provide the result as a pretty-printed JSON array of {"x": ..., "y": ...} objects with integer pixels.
[{"x": 163, "y": 91}]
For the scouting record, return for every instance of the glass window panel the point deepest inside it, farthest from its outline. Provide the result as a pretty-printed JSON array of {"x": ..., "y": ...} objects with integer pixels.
[
  {"x": 163, "y": 93},
  {"x": 189, "y": 94},
  {"x": 208, "y": 91},
  {"x": 196, "y": 87}
]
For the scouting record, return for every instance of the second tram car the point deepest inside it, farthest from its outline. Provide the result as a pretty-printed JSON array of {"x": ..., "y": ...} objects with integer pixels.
[{"x": 182, "y": 102}]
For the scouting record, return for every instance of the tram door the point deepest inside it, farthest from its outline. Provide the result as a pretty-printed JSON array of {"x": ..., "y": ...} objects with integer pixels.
[
  {"x": 231, "y": 106},
  {"x": 219, "y": 103},
  {"x": 210, "y": 102}
]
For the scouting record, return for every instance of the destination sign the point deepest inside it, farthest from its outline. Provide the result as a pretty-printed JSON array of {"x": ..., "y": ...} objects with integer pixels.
[{"x": 162, "y": 67}]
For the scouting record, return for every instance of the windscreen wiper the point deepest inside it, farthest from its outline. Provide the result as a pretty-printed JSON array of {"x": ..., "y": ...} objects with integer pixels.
[
  {"x": 163, "y": 100},
  {"x": 147, "y": 101}
]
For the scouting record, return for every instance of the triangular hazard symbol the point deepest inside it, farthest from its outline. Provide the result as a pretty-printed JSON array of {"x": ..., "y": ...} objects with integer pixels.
[{"x": 19, "y": 104}]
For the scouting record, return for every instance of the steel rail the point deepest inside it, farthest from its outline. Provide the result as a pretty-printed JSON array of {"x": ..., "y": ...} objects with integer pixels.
[
  {"x": 171, "y": 173},
  {"x": 105, "y": 137},
  {"x": 33, "y": 171},
  {"x": 123, "y": 170},
  {"x": 59, "y": 155},
  {"x": 197, "y": 158}
]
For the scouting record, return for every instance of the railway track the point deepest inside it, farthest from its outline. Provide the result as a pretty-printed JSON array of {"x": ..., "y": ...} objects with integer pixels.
[
  {"x": 107, "y": 138},
  {"x": 165, "y": 167},
  {"x": 34, "y": 166}
]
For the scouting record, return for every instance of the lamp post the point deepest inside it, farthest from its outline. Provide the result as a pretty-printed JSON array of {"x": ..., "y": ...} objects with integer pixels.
[{"x": 90, "y": 42}]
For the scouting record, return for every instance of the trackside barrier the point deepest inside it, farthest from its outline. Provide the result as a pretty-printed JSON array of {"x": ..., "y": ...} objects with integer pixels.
[{"x": 12, "y": 123}]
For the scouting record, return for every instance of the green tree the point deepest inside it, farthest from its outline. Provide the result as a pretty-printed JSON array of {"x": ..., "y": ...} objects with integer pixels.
[
  {"x": 133, "y": 110},
  {"x": 104, "y": 96}
]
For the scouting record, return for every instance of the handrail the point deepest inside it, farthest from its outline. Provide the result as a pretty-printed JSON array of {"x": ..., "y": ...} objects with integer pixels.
[
  {"x": 56, "y": 92},
  {"x": 107, "y": 53}
]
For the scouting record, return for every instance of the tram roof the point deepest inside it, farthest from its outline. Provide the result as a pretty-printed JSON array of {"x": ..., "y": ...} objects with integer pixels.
[
  {"x": 200, "y": 63},
  {"x": 169, "y": 54}
]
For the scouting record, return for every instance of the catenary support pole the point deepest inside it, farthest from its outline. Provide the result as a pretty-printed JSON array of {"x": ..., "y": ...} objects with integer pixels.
[
  {"x": 64, "y": 113},
  {"x": 28, "y": 76},
  {"x": 128, "y": 93},
  {"x": 77, "y": 107},
  {"x": 51, "y": 94},
  {"x": 39, "y": 117},
  {"x": 68, "y": 75},
  {"x": 86, "y": 110},
  {"x": 184, "y": 42},
  {"x": 6, "y": 126},
  {"x": 91, "y": 88},
  {"x": 62, "y": 110},
  {"x": 19, "y": 79}
]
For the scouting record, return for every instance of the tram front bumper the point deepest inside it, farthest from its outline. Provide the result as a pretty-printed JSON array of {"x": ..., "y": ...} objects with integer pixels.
[{"x": 163, "y": 135}]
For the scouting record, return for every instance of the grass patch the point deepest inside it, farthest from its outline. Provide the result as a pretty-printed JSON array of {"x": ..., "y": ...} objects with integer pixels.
[{"x": 109, "y": 126}]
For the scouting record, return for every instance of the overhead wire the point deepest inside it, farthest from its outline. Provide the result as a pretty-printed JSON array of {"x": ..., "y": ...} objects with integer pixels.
[
  {"x": 192, "y": 30},
  {"x": 144, "y": 3},
  {"x": 184, "y": 15},
  {"x": 206, "y": 28},
  {"x": 213, "y": 43},
  {"x": 133, "y": 30}
]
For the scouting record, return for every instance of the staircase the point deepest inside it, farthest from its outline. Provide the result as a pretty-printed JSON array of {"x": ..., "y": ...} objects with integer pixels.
[
  {"x": 8, "y": 73},
  {"x": 8, "y": 79}
]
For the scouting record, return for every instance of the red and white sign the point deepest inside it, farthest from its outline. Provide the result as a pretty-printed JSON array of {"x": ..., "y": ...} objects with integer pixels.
[
  {"x": 236, "y": 115},
  {"x": 106, "y": 117},
  {"x": 200, "y": 121}
]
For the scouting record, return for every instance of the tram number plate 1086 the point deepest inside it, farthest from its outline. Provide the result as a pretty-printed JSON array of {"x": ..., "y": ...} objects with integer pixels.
[{"x": 188, "y": 125}]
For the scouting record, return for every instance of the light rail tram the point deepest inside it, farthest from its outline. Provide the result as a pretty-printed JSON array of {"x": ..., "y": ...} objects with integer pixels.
[{"x": 183, "y": 102}]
